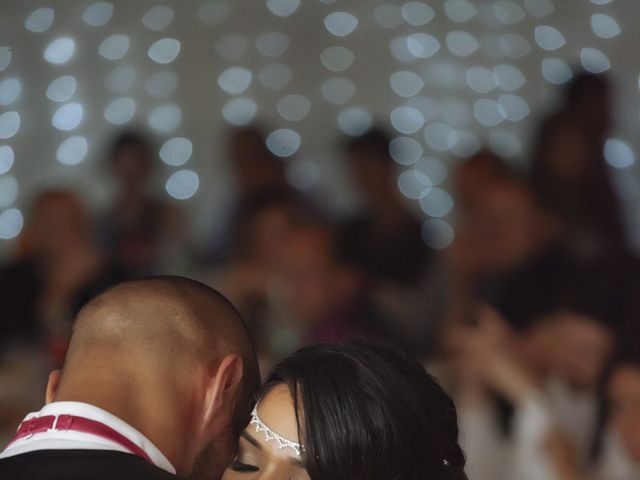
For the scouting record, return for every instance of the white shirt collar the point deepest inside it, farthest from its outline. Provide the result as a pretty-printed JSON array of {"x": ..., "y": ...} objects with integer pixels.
[{"x": 53, "y": 440}]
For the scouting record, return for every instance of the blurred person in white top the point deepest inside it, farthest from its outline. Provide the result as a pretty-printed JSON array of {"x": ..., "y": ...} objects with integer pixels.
[
  {"x": 523, "y": 395},
  {"x": 617, "y": 445}
]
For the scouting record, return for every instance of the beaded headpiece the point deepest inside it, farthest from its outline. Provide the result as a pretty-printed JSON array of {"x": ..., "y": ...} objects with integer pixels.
[{"x": 270, "y": 435}]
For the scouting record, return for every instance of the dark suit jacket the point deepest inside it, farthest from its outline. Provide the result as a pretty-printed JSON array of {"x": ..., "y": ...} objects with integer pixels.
[{"x": 79, "y": 465}]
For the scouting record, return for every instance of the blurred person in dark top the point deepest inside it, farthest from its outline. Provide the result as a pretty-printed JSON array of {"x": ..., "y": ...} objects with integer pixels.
[
  {"x": 61, "y": 267},
  {"x": 143, "y": 233},
  {"x": 250, "y": 277},
  {"x": 511, "y": 252},
  {"x": 588, "y": 99},
  {"x": 502, "y": 236},
  {"x": 449, "y": 290},
  {"x": 386, "y": 242},
  {"x": 325, "y": 291},
  {"x": 256, "y": 169},
  {"x": 571, "y": 178},
  {"x": 257, "y": 173},
  {"x": 388, "y": 234},
  {"x": 292, "y": 281}
]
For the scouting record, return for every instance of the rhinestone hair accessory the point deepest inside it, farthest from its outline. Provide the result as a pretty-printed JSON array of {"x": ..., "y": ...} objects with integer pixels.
[{"x": 270, "y": 435}]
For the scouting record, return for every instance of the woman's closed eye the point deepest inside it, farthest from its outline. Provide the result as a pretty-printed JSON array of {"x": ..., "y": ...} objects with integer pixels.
[
  {"x": 240, "y": 466},
  {"x": 247, "y": 459}
]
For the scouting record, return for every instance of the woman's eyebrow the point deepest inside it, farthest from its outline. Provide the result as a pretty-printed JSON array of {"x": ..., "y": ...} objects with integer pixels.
[
  {"x": 247, "y": 436},
  {"x": 296, "y": 462}
]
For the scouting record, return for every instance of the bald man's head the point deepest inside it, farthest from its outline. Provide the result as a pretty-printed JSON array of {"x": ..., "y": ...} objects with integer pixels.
[
  {"x": 160, "y": 315},
  {"x": 163, "y": 325}
]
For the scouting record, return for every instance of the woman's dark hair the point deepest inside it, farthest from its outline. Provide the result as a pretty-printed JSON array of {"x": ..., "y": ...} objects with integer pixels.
[{"x": 370, "y": 412}]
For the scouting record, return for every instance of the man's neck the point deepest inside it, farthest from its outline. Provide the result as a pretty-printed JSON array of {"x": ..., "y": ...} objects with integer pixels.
[{"x": 158, "y": 423}]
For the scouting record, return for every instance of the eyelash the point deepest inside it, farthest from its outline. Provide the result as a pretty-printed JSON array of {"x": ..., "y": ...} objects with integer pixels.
[{"x": 237, "y": 466}]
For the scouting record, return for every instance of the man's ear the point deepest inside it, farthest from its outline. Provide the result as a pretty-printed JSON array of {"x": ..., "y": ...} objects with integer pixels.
[
  {"x": 52, "y": 385},
  {"x": 223, "y": 388}
]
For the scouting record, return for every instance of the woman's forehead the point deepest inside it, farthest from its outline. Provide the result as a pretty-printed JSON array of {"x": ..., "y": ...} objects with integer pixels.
[{"x": 277, "y": 411}]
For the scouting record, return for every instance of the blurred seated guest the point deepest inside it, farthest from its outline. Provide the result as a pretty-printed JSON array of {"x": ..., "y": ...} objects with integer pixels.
[
  {"x": 587, "y": 98},
  {"x": 256, "y": 172},
  {"x": 250, "y": 278},
  {"x": 256, "y": 169},
  {"x": 297, "y": 287},
  {"x": 616, "y": 453},
  {"x": 510, "y": 252},
  {"x": 522, "y": 390},
  {"x": 503, "y": 238},
  {"x": 62, "y": 266},
  {"x": 450, "y": 290},
  {"x": 619, "y": 455},
  {"x": 571, "y": 179},
  {"x": 474, "y": 174},
  {"x": 143, "y": 233},
  {"x": 325, "y": 292},
  {"x": 387, "y": 234}
]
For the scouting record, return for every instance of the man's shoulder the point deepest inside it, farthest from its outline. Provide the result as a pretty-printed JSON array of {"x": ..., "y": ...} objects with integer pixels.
[{"x": 79, "y": 464}]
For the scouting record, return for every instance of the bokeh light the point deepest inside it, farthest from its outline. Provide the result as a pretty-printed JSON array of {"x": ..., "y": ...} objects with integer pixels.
[
  {"x": 340, "y": 24},
  {"x": 160, "y": 84},
  {"x": 165, "y": 118},
  {"x": 405, "y": 150},
  {"x": 283, "y": 8},
  {"x": 414, "y": 184},
  {"x": 11, "y": 223},
  {"x": 114, "y": 47},
  {"x": 73, "y": 150},
  {"x": 176, "y": 151},
  {"x": 338, "y": 90},
  {"x": 98, "y": 14},
  {"x": 337, "y": 59},
  {"x": 618, "y": 153},
  {"x": 183, "y": 184},
  {"x": 62, "y": 88},
  {"x": 68, "y": 116},
  {"x": 10, "y": 89},
  {"x": 120, "y": 79},
  {"x": 354, "y": 121},
  {"x": 437, "y": 233},
  {"x": 120, "y": 111},
  {"x": 158, "y": 18},
  {"x": 9, "y": 124},
  {"x": 235, "y": 80},
  {"x": 40, "y": 20},
  {"x": 294, "y": 107},
  {"x": 165, "y": 50},
  {"x": 303, "y": 174},
  {"x": 240, "y": 111},
  {"x": 60, "y": 51},
  {"x": 8, "y": 190},
  {"x": 6, "y": 158},
  {"x": 284, "y": 142}
]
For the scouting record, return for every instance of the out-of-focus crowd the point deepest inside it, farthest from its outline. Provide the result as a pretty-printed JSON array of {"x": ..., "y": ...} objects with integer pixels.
[{"x": 529, "y": 318}]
